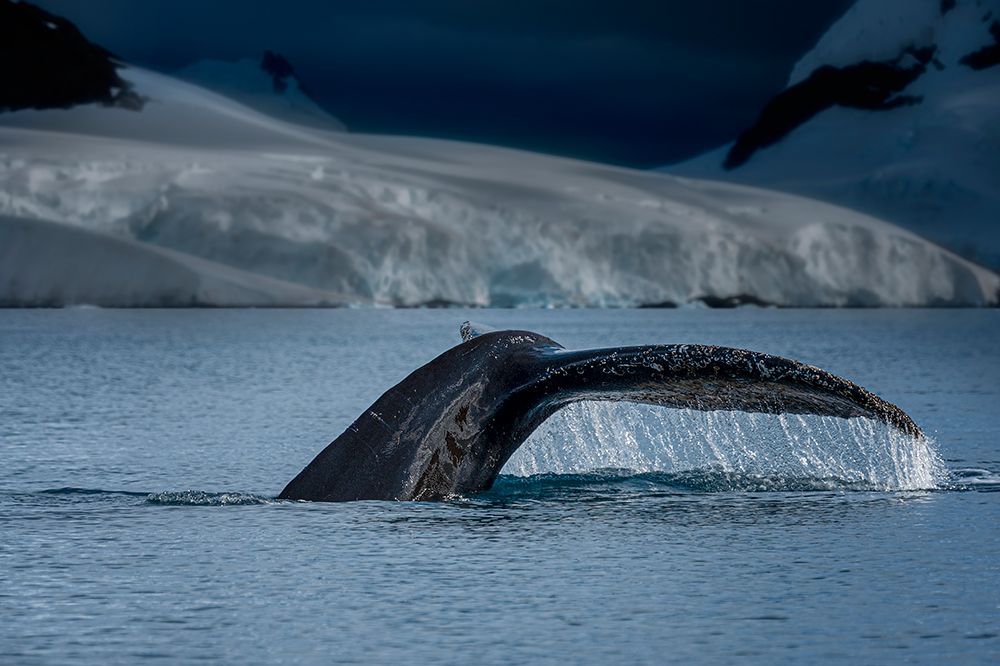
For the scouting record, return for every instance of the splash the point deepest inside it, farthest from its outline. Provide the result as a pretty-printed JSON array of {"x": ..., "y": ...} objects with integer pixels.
[{"x": 857, "y": 454}]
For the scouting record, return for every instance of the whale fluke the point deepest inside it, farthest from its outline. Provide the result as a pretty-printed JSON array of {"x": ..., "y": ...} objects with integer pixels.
[{"x": 450, "y": 426}]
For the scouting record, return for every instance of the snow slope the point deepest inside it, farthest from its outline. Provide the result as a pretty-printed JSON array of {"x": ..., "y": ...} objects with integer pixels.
[
  {"x": 932, "y": 167},
  {"x": 45, "y": 263},
  {"x": 256, "y": 207},
  {"x": 246, "y": 82}
]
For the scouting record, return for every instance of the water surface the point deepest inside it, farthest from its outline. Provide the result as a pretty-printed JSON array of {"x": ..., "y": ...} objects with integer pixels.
[{"x": 141, "y": 449}]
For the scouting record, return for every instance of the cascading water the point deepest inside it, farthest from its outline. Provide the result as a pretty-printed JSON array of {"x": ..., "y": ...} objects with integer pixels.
[{"x": 730, "y": 450}]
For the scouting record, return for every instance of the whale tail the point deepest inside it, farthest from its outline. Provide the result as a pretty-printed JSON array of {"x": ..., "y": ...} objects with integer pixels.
[
  {"x": 708, "y": 378},
  {"x": 450, "y": 426}
]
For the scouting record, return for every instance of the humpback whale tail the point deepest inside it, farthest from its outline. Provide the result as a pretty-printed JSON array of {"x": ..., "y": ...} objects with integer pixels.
[{"x": 448, "y": 428}]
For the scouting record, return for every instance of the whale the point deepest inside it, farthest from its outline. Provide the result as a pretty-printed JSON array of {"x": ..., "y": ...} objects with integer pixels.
[{"x": 448, "y": 428}]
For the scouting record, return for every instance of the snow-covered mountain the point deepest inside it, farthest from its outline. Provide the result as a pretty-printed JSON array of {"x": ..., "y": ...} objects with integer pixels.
[
  {"x": 198, "y": 199},
  {"x": 269, "y": 85},
  {"x": 226, "y": 191},
  {"x": 896, "y": 113}
]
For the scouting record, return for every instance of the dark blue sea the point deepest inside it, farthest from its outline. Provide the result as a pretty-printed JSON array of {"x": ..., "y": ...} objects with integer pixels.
[{"x": 141, "y": 450}]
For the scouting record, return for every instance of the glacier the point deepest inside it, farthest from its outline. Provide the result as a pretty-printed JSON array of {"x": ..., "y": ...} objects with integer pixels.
[
  {"x": 200, "y": 200},
  {"x": 932, "y": 167}
]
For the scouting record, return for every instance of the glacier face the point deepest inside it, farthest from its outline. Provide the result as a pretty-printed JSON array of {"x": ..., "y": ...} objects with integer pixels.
[
  {"x": 261, "y": 211},
  {"x": 932, "y": 167}
]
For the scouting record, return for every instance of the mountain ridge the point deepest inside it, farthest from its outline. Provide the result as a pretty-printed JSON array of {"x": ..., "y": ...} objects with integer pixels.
[{"x": 925, "y": 157}]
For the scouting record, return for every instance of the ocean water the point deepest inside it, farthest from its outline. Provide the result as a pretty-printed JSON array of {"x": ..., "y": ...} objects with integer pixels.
[{"x": 140, "y": 451}]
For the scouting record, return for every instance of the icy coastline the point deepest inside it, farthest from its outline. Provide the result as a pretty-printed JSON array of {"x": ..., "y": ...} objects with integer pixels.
[{"x": 198, "y": 199}]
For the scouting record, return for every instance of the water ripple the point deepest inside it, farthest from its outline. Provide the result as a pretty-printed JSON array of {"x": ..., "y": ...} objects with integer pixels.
[{"x": 203, "y": 498}]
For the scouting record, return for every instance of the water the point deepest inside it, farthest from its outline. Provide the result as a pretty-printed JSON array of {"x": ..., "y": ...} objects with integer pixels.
[{"x": 141, "y": 450}]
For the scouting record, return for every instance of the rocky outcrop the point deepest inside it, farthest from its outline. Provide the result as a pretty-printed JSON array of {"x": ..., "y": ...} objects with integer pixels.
[
  {"x": 874, "y": 86},
  {"x": 46, "y": 62}
]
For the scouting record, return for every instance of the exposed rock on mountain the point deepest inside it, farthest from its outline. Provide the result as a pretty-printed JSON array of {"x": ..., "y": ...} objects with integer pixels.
[{"x": 45, "y": 62}]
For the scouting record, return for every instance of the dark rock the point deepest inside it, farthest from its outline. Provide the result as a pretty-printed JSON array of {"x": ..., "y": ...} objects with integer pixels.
[
  {"x": 733, "y": 301},
  {"x": 46, "y": 62},
  {"x": 279, "y": 68},
  {"x": 874, "y": 86},
  {"x": 434, "y": 304},
  {"x": 989, "y": 55}
]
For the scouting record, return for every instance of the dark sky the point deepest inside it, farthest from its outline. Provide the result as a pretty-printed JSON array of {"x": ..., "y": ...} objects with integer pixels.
[{"x": 623, "y": 81}]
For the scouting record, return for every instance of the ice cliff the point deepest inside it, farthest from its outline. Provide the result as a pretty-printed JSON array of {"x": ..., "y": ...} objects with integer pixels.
[{"x": 197, "y": 199}]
